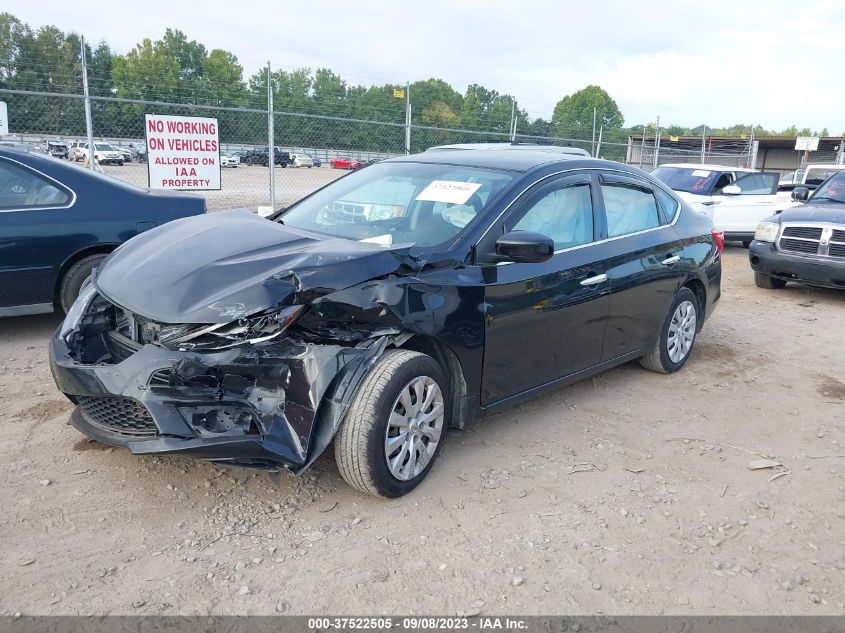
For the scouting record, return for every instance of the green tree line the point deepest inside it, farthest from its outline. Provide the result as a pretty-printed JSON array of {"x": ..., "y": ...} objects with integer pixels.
[{"x": 176, "y": 70}]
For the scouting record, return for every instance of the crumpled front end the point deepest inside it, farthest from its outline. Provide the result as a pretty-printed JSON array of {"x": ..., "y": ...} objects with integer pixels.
[{"x": 247, "y": 405}]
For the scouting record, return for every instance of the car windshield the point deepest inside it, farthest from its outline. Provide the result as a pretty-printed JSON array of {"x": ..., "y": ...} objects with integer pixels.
[
  {"x": 690, "y": 179},
  {"x": 104, "y": 147},
  {"x": 833, "y": 190},
  {"x": 400, "y": 203}
]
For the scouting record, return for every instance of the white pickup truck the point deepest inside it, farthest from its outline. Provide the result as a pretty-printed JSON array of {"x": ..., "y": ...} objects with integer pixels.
[{"x": 734, "y": 197}]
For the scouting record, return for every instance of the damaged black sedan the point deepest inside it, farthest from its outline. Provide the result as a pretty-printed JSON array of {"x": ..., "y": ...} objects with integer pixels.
[{"x": 394, "y": 303}]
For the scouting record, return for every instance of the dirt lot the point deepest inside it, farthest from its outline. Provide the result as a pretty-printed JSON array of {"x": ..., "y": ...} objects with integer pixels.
[
  {"x": 246, "y": 185},
  {"x": 586, "y": 500}
]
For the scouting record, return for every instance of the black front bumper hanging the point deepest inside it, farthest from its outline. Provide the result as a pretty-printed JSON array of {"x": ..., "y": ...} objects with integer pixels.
[{"x": 270, "y": 406}]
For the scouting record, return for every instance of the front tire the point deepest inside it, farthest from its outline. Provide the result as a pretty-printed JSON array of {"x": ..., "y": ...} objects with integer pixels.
[
  {"x": 677, "y": 335},
  {"x": 762, "y": 280},
  {"x": 75, "y": 277},
  {"x": 395, "y": 425}
]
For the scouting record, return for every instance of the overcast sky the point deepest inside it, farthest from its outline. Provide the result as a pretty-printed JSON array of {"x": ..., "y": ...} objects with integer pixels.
[{"x": 772, "y": 62}]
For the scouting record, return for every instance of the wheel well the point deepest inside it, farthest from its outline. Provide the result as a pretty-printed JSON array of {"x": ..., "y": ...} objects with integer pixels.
[
  {"x": 451, "y": 366},
  {"x": 700, "y": 293},
  {"x": 99, "y": 249}
]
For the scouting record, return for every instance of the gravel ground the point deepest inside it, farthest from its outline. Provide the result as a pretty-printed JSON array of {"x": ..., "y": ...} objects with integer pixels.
[
  {"x": 628, "y": 493},
  {"x": 246, "y": 185}
]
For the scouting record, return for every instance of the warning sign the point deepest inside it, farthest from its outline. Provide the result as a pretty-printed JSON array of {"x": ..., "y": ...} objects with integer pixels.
[{"x": 183, "y": 152}]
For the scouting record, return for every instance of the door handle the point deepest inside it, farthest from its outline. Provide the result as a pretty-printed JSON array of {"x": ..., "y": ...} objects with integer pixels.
[
  {"x": 594, "y": 281},
  {"x": 671, "y": 261}
]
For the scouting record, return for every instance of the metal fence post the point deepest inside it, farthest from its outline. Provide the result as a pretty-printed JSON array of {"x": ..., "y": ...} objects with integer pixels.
[
  {"x": 89, "y": 126},
  {"x": 840, "y": 157},
  {"x": 703, "y": 144},
  {"x": 271, "y": 145},
  {"x": 407, "y": 118},
  {"x": 513, "y": 120},
  {"x": 656, "y": 143},
  {"x": 593, "y": 143},
  {"x": 642, "y": 147}
]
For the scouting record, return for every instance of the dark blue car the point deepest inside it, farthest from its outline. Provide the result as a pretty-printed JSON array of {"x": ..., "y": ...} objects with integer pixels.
[{"x": 58, "y": 221}]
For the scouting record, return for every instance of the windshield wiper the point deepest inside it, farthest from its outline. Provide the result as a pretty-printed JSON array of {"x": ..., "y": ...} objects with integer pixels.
[{"x": 815, "y": 198}]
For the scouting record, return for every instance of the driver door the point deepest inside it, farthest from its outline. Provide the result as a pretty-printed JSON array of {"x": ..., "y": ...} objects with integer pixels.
[
  {"x": 545, "y": 321},
  {"x": 738, "y": 214}
]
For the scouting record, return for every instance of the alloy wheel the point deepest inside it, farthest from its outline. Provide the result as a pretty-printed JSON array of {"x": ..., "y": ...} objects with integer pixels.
[
  {"x": 414, "y": 428},
  {"x": 681, "y": 332}
]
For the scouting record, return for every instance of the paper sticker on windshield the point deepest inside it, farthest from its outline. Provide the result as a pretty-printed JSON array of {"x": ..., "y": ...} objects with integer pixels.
[
  {"x": 701, "y": 173},
  {"x": 449, "y": 191}
]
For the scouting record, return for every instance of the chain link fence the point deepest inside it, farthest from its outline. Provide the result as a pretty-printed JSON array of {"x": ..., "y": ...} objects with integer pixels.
[{"x": 314, "y": 148}]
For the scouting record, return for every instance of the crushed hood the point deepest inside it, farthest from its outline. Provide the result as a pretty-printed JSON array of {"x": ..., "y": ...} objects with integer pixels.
[{"x": 215, "y": 268}]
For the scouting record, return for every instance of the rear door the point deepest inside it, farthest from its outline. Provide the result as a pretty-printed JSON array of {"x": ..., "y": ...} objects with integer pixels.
[
  {"x": 33, "y": 214},
  {"x": 738, "y": 214},
  {"x": 544, "y": 321},
  {"x": 645, "y": 261}
]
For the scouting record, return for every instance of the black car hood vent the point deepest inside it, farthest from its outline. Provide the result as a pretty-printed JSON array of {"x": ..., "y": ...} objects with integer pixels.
[{"x": 217, "y": 267}]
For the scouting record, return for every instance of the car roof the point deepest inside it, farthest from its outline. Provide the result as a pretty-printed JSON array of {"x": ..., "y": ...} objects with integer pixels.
[
  {"x": 707, "y": 166},
  {"x": 529, "y": 147},
  {"x": 521, "y": 161}
]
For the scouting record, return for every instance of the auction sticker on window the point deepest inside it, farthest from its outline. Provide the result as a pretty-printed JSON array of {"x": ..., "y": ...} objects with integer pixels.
[
  {"x": 450, "y": 191},
  {"x": 183, "y": 152}
]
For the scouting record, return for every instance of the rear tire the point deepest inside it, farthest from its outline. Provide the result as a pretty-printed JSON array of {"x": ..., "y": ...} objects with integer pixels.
[
  {"x": 762, "y": 280},
  {"x": 677, "y": 335},
  {"x": 74, "y": 279},
  {"x": 372, "y": 421}
]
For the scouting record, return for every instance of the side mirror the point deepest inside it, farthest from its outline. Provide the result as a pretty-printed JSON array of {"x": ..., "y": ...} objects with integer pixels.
[
  {"x": 525, "y": 247},
  {"x": 800, "y": 194},
  {"x": 731, "y": 190}
]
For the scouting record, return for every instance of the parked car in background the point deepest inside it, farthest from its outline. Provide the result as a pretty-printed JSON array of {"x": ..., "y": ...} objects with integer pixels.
[
  {"x": 460, "y": 283},
  {"x": 56, "y": 148},
  {"x": 60, "y": 221},
  {"x": 805, "y": 243},
  {"x": 125, "y": 153},
  {"x": 229, "y": 160},
  {"x": 104, "y": 154},
  {"x": 736, "y": 199},
  {"x": 345, "y": 163},
  {"x": 139, "y": 151},
  {"x": 261, "y": 157},
  {"x": 75, "y": 151},
  {"x": 302, "y": 160}
]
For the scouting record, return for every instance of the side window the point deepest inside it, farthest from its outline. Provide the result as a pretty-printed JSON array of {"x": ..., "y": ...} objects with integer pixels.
[
  {"x": 565, "y": 215},
  {"x": 668, "y": 205},
  {"x": 21, "y": 188},
  {"x": 757, "y": 184},
  {"x": 629, "y": 209}
]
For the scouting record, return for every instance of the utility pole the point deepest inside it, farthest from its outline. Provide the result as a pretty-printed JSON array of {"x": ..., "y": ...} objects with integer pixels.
[
  {"x": 407, "y": 118},
  {"x": 703, "y": 144},
  {"x": 598, "y": 145},
  {"x": 656, "y": 143},
  {"x": 271, "y": 150},
  {"x": 89, "y": 126},
  {"x": 593, "y": 144}
]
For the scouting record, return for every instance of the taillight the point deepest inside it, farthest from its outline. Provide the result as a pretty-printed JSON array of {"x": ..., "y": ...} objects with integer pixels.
[{"x": 719, "y": 240}]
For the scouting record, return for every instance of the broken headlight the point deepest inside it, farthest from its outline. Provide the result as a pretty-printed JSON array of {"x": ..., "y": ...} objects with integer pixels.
[{"x": 257, "y": 328}]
